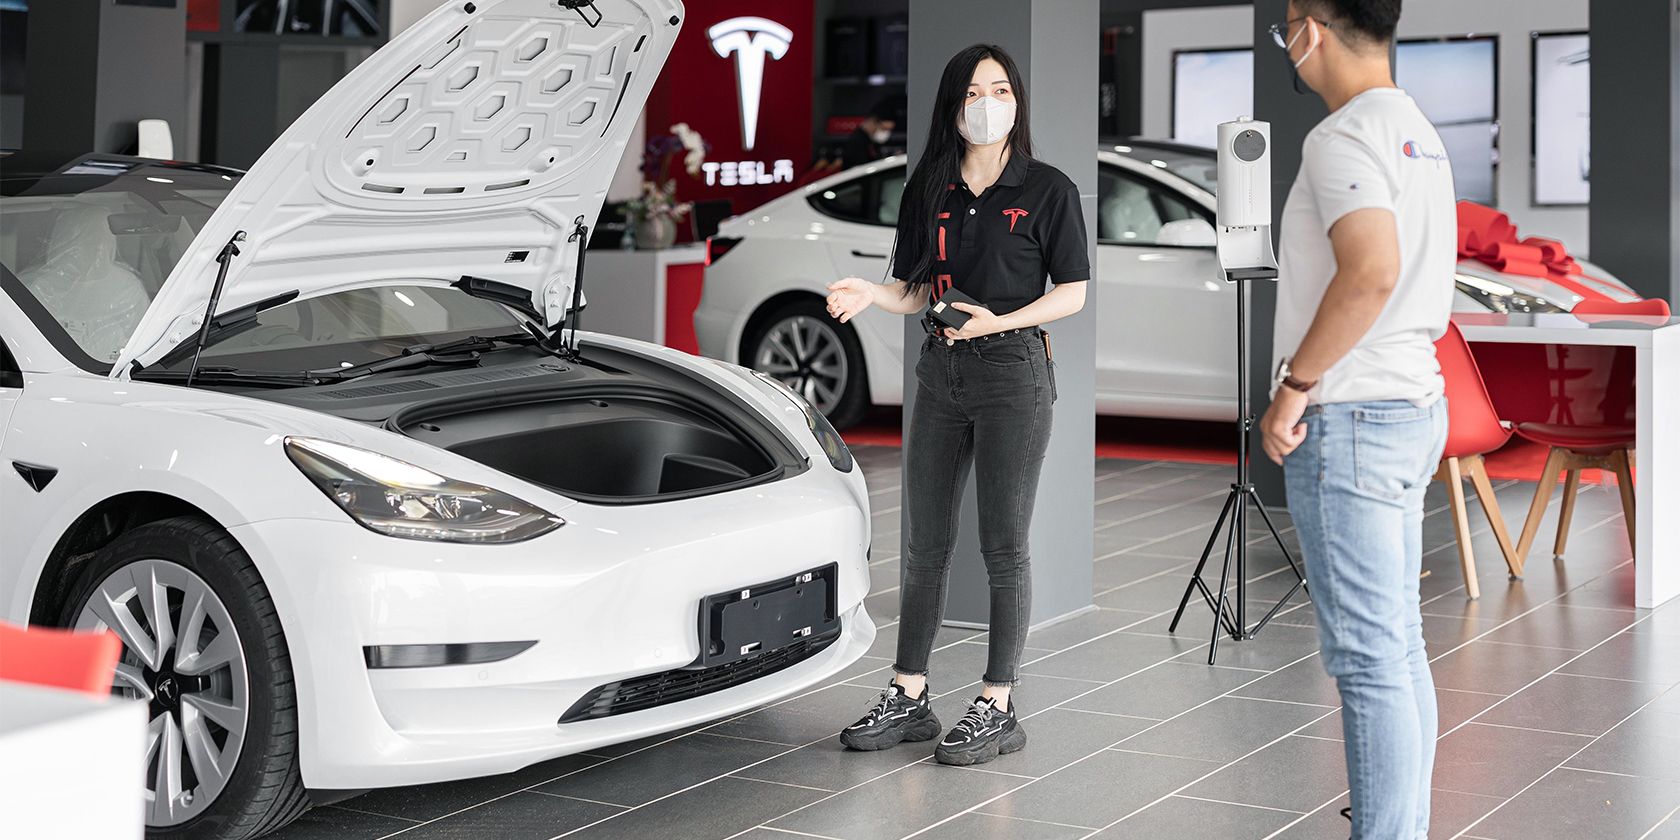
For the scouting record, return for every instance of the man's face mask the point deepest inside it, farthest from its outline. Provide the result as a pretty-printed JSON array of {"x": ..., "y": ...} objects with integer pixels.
[
  {"x": 986, "y": 120},
  {"x": 880, "y": 135},
  {"x": 1312, "y": 46}
]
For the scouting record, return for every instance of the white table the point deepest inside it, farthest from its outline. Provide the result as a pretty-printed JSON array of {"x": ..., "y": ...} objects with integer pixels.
[
  {"x": 71, "y": 765},
  {"x": 1656, "y": 343}
]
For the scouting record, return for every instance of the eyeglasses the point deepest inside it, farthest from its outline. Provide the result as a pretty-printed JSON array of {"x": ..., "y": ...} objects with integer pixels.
[{"x": 1280, "y": 31}]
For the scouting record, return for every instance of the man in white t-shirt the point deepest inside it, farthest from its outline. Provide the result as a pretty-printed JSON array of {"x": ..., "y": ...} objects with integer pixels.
[{"x": 1357, "y": 419}]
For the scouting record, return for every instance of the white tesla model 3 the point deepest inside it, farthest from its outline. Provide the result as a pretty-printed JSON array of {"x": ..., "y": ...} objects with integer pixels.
[
  {"x": 1166, "y": 346},
  {"x": 387, "y": 518}
]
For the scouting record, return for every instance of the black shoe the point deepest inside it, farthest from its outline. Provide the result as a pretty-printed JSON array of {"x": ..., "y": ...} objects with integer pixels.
[
  {"x": 894, "y": 718},
  {"x": 982, "y": 735}
]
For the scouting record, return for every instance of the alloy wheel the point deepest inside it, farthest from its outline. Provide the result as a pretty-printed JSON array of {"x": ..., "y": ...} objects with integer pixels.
[
  {"x": 805, "y": 353},
  {"x": 181, "y": 654}
]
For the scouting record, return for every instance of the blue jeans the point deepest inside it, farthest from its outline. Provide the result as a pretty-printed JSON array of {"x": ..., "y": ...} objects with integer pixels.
[{"x": 1355, "y": 490}]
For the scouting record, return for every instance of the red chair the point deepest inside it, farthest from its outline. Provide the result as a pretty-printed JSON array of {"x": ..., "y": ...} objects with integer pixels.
[
  {"x": 59, "y": 658},
  {"x": 1473, "y": 430},
  {"x": 1650, "y": 307},
  {"x": 1575, "y": 448}
]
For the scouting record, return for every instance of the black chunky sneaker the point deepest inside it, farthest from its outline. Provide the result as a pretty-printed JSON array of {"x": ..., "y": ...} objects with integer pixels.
[
  {"x": 893, "y": 718},
  {"x": 982, "y": 735}
]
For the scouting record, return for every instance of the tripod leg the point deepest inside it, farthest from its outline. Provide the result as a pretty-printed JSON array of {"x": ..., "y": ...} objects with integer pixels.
[
  {"x": 1219, "y": 616},
  {"x": 1281, "y": 547},
  {"x": 1197, "y": 575},
  {"x": 1300, "y": 580}
]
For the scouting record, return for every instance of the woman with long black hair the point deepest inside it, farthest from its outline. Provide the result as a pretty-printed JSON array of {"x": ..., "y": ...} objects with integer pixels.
[{"x": 981, "y": 216}]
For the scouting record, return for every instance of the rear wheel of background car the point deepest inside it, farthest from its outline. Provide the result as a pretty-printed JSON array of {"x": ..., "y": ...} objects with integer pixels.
[
  {"x": 202, "y": 646},
  {"x": 816, "y": 356}
]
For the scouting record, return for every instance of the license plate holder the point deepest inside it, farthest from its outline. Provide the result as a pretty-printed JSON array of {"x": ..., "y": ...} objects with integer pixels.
[{"x": 753, "y": 620}]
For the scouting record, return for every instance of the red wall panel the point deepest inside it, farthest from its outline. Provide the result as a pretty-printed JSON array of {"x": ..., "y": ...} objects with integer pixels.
[{"x": 700, "y": 87}]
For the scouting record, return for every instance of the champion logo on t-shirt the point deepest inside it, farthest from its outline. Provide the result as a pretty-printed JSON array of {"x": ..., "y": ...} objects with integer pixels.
[
  {"x": 1412, "y": 150},
  {"x": 1014, "y": 214}
]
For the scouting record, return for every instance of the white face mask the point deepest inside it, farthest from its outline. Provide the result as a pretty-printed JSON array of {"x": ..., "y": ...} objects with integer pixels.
[
  {"x": 1311, "y": 45},
  {"x": 987, "y": 120},
  {"x": 881, "y": 136}
]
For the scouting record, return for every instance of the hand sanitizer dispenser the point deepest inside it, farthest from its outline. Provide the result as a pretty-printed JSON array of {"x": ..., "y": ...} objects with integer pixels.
[{"x": 1245, "y": 200}]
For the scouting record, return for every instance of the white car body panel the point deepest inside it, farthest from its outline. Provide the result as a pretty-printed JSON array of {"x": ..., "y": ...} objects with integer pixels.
[
  {"x": 470, "y": 136},
  {"x": 611, "y": 594},
  {"x": 1167, "y": 343}
]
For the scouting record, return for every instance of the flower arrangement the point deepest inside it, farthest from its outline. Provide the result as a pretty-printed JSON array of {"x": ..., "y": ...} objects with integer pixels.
[{"x": 659, "y": 187}]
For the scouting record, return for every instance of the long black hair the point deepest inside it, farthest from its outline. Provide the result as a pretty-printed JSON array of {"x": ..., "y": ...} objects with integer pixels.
[{"x": 941, "y": 161}]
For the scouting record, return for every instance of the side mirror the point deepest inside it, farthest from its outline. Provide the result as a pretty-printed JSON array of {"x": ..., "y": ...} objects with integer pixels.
[{"x": 1188, "y": 233}]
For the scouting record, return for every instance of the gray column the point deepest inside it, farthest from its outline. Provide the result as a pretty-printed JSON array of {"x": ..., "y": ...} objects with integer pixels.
[
  {"x": 97, "y": 68},
  {"x": 1633, "y": 224},
  {"x": 1056, "y": 45}
]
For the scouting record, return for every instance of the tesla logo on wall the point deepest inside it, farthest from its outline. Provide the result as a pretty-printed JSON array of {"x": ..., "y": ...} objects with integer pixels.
[{"x": 750, "y": 40}]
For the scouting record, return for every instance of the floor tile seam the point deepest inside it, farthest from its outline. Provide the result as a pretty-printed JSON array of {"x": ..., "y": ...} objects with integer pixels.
[
  {"x": 1026, "y": 819},
  {"x": 782, "y": 783},
  {"x": 579, "y": 799},
  {"x": 1530, "y": 684},
  {"x": 1238, "y": 804},
  {"x": 343, "y": 807},
  {"x": 1214, "y": 494},
  {"x": 788, "y": 831},
  {"x": 1465, "y": 832},
  {"x": 1118, "y": 743},
  {"x": 1138, "y": 491},
  {"x": 1507, "y": 622},
  {"x": 1234, "y": 762},
  {"x": 1672, "y": 815}
]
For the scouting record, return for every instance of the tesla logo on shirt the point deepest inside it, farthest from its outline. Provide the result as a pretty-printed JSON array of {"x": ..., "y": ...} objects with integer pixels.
[
  {"x": 1014, "y": 214},
  {"x": 749, "y": 39}
]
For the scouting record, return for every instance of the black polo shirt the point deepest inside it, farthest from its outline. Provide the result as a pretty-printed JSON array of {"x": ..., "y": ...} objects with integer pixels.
[{"x": 998, "y": 247}]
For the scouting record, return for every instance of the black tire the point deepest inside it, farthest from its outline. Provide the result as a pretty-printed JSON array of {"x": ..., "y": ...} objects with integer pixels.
[
  {"x": 265, "y": 790},
  {"x": 853, "y": 402}
]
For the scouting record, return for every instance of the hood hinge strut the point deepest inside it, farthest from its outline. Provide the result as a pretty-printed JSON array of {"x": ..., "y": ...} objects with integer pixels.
[{"x": 223, "y": 260}]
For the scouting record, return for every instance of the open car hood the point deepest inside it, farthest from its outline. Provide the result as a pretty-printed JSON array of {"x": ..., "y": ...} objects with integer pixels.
[{"x": 472, "y": 144}]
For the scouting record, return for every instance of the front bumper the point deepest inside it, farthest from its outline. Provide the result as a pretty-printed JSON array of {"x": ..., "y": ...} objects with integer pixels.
[{"x": 613, "y": 595}]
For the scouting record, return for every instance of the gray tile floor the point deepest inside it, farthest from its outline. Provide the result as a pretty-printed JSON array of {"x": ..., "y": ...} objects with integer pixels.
[{"x": 1560, "y": 711}]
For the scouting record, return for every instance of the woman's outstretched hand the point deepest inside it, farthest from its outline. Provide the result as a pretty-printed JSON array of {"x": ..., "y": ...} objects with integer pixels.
[{"x": 849, "y": 296}]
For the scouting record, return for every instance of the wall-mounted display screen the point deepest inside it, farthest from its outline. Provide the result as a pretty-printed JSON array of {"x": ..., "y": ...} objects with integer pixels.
[
  {"x": 1456, "y": 82},
  {"x": 1210, "y": 87},
  {"x": 341, "y": 18},
  {"x": 1562, "y": 118}
]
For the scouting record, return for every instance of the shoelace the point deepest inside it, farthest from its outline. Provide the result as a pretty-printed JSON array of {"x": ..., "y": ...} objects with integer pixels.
[
  {"x": 878, "y": 707},
  {"x": 979, "y": 714}
]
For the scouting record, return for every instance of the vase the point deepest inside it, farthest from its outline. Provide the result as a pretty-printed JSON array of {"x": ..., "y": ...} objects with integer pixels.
[{"x": 656, "y": 233}]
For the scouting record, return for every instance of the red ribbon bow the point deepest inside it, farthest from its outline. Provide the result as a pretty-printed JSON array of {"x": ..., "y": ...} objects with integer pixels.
[{"x": 1488, "y": 236}]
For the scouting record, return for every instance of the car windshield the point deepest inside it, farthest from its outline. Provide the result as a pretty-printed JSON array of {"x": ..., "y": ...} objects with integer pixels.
[
  {"x": 353, "y": 327},
  {"x": 1197, "y": 167},
  {"x": 86, "y": 247}
]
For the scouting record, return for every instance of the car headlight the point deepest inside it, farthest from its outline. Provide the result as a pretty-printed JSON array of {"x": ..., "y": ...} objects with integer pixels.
[
  {"x": 827, "y": 436},
  {"x": 399, "y": 499},
  {"x": 1501, "y": 298}
]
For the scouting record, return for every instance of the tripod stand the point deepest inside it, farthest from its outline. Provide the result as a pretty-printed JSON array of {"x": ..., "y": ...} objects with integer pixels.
[{"x": 1235, "y": 512}]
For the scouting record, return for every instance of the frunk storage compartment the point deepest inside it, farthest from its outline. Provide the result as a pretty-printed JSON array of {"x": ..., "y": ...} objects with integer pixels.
[{"x": 626, "y": 447}]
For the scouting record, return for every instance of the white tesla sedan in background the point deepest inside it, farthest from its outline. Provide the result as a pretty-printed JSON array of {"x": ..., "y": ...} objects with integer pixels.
[
  {"x": 1166, "y": 345},
  {"x": 398, "y": 524}
]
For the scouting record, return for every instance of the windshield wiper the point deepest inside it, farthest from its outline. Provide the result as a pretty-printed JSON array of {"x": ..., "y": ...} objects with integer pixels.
[
  {"x": 402, "y": 362},
  {"x": 226, "y": 375},
  {"x": 462, "y": 351}
]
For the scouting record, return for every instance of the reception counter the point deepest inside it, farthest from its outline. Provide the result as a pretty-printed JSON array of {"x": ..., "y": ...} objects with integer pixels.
[
  {"x": 645, "y": 295},
  {"x": 1654, "y": 408}
]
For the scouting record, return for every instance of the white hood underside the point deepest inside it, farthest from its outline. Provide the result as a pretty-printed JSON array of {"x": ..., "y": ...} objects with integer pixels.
[{"x": 469, "y": 137}]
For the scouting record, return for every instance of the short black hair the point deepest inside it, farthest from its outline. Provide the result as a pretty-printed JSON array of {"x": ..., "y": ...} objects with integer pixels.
[{"x": 1373, "y": 20}]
